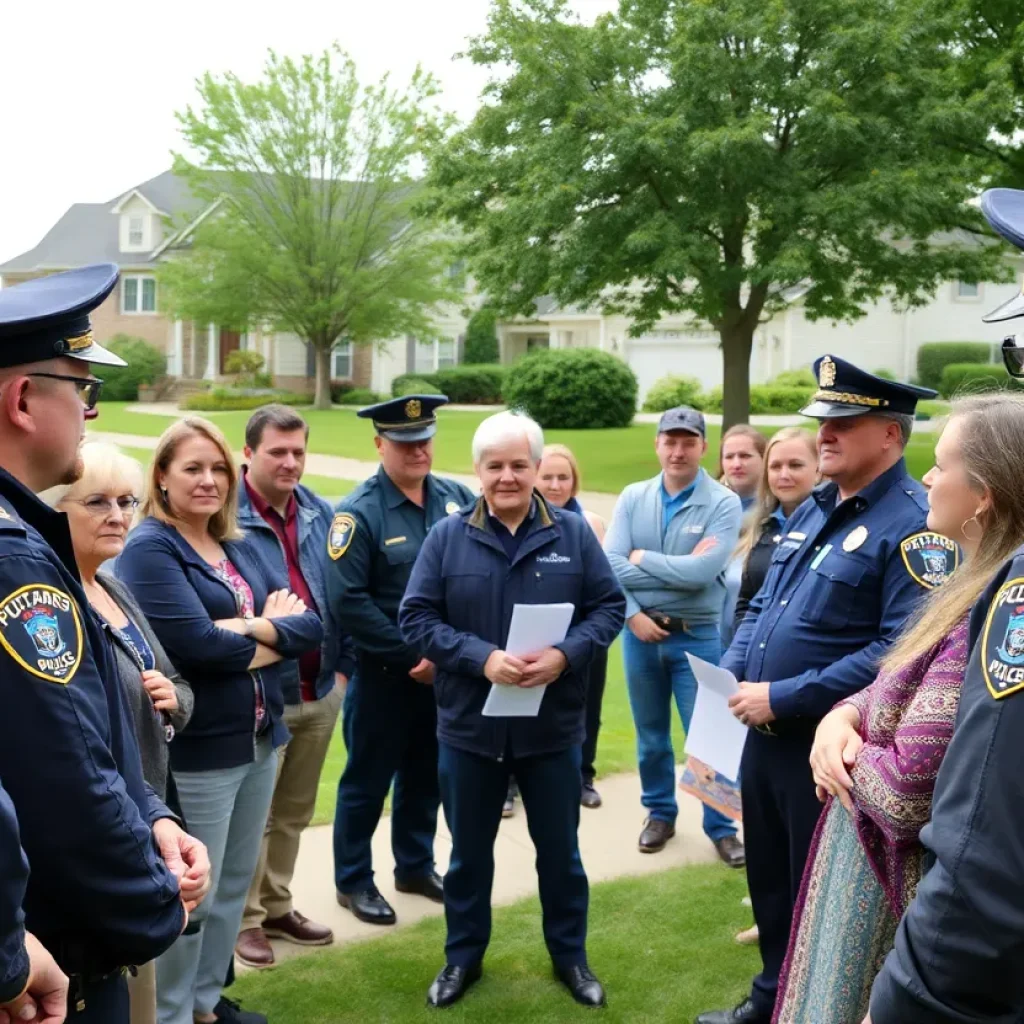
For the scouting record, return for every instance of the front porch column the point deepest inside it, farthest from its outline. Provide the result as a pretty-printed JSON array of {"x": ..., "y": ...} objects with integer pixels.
[
  {"x": 176, "y": 360},
  {"x": 212, "y": 352}
]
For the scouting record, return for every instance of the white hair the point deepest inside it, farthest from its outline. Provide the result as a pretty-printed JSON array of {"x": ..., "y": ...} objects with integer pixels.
[
  {"x": 104, "y": 468},
  {"x": 503, "y": 427}
]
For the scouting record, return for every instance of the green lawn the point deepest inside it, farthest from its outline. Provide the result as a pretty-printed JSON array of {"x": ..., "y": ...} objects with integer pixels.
[
  {"x": 609, "y": 459},
  {"x": 616, "y": 748},
  {"x": 662, "y": 945}
]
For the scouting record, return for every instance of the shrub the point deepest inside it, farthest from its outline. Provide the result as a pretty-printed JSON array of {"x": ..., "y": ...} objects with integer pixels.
[
  {"x": 464, "y": 385},
  {"x": 340, "y": 388},
  {"x": 713, "y": 400},
  {"x": 576, "y": 388},
  {"x": 884, "y": 374},
  {"x": 414, "y": 386},
  {"x": 670, "y": 391},
  {"x": 246, "y": 365},
  {"x": 928, "y": 409},
  {"x": 482, "y": 337},
  {"x": 973, "y": 378},
  {"x": 226, "y": 400},
  {"x": 933, "y": 356},
  {"x": 146, "y": 365},
  {"x": 361, "y": 396},
  {"x": 775, "y": 399},
  {"x": 803, "y": 378}
]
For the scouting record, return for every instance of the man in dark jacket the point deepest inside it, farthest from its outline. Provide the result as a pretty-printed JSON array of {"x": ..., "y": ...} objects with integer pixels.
[{"x": 511, "y": 548}]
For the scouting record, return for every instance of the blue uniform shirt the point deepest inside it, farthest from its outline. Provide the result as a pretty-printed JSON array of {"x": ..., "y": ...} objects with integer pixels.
[
  {"x": 959, "y": 951},
  {"x": 14, "y": 965},
  {"x": 841, "y": 584}
]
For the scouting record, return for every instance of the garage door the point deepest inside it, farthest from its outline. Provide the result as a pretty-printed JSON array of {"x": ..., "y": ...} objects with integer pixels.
[{"x": 653, "y": 356}]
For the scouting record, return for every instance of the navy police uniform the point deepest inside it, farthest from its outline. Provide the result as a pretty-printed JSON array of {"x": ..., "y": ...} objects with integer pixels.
[
  {"x": 99, "y": 897},
  {"x": 959, "y": 951},
  {"x": 842, "y": 581},
  {"x": 14, "y": 963},
  {"x": 389, "y": 719}
]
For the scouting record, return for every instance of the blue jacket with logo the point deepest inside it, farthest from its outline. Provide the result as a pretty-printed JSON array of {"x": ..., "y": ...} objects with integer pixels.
[
  {"x": 313, "y": 516},
  {"x": 458, "y": 607},
  {"x": 841, "y": 584},
  {"x": 14, "y": 965},
  {"x": 182, "y": 598}
]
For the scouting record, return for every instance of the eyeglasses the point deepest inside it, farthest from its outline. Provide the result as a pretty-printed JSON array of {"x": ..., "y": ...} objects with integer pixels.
[
  {"x": 88, "y": 387},
  {"x": 100, "y": 506},
  {"x": 1013, "y": 357}
]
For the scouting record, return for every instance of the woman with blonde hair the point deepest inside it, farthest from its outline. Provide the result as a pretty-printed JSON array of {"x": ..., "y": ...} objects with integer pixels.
[
  {"x": 227, "y": 623},
  {"x": 876, "y": 755},
  {"x": 100, "y": 507}
]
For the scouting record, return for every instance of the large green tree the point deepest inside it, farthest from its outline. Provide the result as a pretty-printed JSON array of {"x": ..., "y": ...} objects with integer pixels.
[
  {"x": 701, "y": 157},
  {"x": 314, "y": 230}
]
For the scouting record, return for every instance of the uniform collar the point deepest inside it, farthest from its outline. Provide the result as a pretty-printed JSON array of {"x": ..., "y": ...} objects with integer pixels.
[
  {"x": 393, "y": 497},
  {"x": 827, "y": 495},
  {"x": 51, "y": 524},
  {"x": 695, "y": 494}
]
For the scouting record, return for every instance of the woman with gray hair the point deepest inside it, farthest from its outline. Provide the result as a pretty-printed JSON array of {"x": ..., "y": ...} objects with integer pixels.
[{"x": 100, "y": 507}]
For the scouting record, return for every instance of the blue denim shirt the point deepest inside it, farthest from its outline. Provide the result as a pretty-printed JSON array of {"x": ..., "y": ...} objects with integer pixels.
[{"x": 314, "y": 515}]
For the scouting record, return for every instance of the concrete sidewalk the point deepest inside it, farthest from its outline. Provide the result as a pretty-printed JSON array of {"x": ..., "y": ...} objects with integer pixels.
[{"x": 607, "y": 841}]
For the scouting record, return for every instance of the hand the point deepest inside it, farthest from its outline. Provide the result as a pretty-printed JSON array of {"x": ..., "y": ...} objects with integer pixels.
[
  {"x": 423, "y": 672},
  {"x": 543, "y": 667},
  {"x": 705, "y": 546},
  {"x": 504, "y": 669},
  {"x": 46, "y": 998},
  {"x": 281, "y": 603},
  {"x": 866, "y": 1020},
  {"x": 836, "y": 746},
  {"x": 340, "y": 682},
  {"x": 646, "y": 629},
  {"x": 752, "y": 705},
  {"x": 187, "y": 859},
  {"x": 636, "y": 557},
  {"x": 161, "y": 690}
]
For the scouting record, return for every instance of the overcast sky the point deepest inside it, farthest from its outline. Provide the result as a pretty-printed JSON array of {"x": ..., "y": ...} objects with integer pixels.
[{"x": 88, "y": 91}]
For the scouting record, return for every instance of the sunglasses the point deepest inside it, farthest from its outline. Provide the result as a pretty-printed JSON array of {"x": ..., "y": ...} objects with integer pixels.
[
  {"x": 88, "y": 387},
  {"x": 1013, "y": 357}
]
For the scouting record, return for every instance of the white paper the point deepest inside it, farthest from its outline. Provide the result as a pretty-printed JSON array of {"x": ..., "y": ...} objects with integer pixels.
[
  {"x": 533, "y": 627},
  {"x": 716, "y": 736}
]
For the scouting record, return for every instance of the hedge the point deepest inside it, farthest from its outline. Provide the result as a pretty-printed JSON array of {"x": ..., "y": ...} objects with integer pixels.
[
  {"x": 766, "y": 399},
  {"x": 146, "y": 364},
  {"x": 933, "y": 356},
  {"x": 415, "y": 386},
  {"x": 670, "y": 391},
  {"x": 481, "y": 338},
  {"x": 223, "y": 400},
  {"x": 464, "y": 385},
  {"x": 579, "y": 388},
  {"x": 361, "y": 396},
  {"x": 971, "y": 378}
]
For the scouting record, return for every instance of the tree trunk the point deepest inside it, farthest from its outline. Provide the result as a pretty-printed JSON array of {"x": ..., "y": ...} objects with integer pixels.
[
  {"x": 737, "y": 344},
  {"x": 322, "y": 391}
]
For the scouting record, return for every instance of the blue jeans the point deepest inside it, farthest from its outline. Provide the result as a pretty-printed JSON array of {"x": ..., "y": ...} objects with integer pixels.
[
  {"x": 227, "y": 810},
  {"x": 655, "y": 673}
]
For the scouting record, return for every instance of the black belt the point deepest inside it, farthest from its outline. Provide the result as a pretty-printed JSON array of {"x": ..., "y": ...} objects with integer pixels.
[
  {"x": 669, "y": 623},
  {"x": 79, "y": 985}
]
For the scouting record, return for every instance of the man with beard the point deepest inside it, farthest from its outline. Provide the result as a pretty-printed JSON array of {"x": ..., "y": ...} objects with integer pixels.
[{"x": 113, "y": 875}]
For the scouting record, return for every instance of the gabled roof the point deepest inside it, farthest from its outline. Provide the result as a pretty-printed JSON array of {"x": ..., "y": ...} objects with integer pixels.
[{"x": 88, "y": 233}]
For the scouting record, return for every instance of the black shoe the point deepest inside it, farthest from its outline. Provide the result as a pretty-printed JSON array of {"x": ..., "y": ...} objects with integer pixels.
[
  {"x": 230, "y": 1012},
  {"x": 430, "y": 886},
  {"x": 368, "y": 905},
  {"x": 580, "y": 981},
  {"x": 745, "y": 1013},
  {"x": 731, "y": 851},
  {"x": 590, "y": 796},
  {"x": 656, "y": 833},
  {"x": 451, "y": 984}
]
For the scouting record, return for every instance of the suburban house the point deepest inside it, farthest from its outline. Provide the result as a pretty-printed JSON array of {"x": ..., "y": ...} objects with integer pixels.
[{"x": 134, "y": 231}]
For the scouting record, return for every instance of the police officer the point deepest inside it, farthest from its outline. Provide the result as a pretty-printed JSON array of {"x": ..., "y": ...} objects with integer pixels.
[
  {"x": 101, "y": 895},
  {"x": 842, "y": 581},
  {"x": 388, "y": 718},
  {"x": 959, "y": 951}
]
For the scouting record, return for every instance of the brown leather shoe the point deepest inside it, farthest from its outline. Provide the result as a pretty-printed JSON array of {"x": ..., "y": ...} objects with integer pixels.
[
  {"x": 294, "y": 927},
  {"x": 655, "y": 835},
  {"x": 253, "y": 948},
  {"x": 730, "y": 849}
]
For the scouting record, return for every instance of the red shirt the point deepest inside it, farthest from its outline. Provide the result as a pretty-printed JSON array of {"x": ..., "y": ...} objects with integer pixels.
[{"x": 287, "y": 531}]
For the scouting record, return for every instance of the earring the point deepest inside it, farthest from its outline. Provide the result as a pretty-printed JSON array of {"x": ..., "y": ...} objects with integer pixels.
[{"x": 967, "y": 522}]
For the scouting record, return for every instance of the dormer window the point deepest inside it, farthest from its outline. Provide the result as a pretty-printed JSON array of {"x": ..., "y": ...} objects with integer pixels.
[{"x": 135, "y": 229}]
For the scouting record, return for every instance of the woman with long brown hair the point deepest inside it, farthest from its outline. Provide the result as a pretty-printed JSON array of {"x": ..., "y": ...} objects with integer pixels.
[{"x": 876, "y": 755}]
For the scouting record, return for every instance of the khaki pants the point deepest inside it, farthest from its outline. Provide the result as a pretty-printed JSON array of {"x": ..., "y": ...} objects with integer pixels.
[
  {"x": 142, "y": 994},
  {"x": 298, "y": 776}
]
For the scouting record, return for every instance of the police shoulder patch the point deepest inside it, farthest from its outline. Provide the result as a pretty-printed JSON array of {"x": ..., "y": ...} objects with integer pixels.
[
  {"x": 41, "y": 629},
  {"x": 930, "y": 558},
  {"x": 1002, "y": 641},
  {"x": 343, "y": 528}
]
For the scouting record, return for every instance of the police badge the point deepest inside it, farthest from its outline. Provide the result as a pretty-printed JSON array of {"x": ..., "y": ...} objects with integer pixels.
[
  {"x": 413, "y": 408},
  {"x": 451, "y": 507},
  {"x": 1002, "y": 641},
  {"x": 343, "y": 528},
  {"x": 930, "y": 558}
]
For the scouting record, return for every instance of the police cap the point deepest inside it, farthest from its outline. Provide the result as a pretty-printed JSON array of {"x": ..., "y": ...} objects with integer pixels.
[
  {"x": 846, "y": 390},
  {"x": 410, "y": 418},
  {"x": 48, "y": 317}
]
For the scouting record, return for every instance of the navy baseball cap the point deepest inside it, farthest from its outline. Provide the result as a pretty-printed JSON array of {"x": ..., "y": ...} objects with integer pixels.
[
  {"x": 682, "y": 417},
  {"x": 410, "y": 418},
  {"x": 48, "y": 317},
  {"x": 847, "y": 390}
]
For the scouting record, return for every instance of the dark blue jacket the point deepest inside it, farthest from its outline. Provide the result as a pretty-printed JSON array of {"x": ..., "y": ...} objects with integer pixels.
[
  {"x": 959, "y": 951},
  {"x": 314, "y": 520},
  {"x": 182, "y": 597},
  {"x": 14, "y": 966},
  {"x": 841, "y": 584},
  {"x": 458, "y": 607},
  {"x": 99, "y": 895}
]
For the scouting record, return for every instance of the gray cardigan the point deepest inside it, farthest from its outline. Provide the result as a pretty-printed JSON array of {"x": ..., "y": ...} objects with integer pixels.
[{"x": 149, "y": 723}]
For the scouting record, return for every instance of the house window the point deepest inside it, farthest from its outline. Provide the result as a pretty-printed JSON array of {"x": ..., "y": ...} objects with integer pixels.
[
  {"x": 968, "y": 290},
  {"x": 445, "y": 352},
  {"x": 135, "y": 226},
  {"x": 138, "y": 294},
  {"x": 425, "y": 358},
  {"x": 434, "y": 354},
  {"x": 341, "y": 361}
]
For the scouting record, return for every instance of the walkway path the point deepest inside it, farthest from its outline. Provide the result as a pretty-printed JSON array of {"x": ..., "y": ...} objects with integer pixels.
[{"x": 607, "y": 841}]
